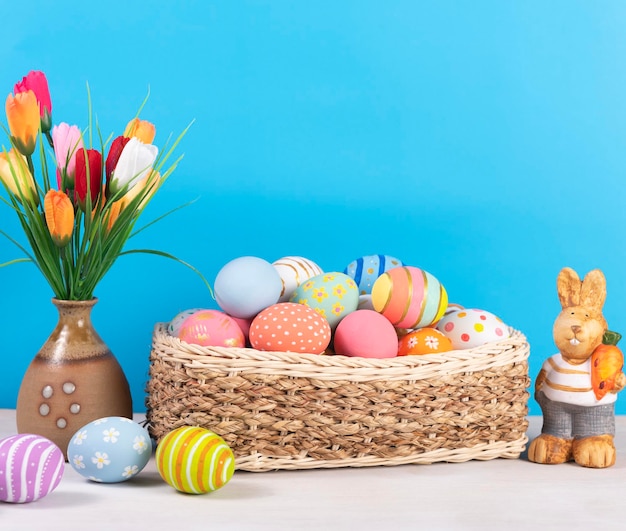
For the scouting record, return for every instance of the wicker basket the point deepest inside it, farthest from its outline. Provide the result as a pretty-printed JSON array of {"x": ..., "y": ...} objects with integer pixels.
[{"x": 296, "y": 411}]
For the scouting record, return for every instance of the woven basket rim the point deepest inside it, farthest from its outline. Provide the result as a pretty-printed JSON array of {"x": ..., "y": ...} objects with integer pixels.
[{"x": 235, "y": 359}]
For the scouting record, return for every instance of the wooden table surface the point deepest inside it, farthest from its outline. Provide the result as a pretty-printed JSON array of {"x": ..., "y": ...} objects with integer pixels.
[{"x": 500, "y": 494}]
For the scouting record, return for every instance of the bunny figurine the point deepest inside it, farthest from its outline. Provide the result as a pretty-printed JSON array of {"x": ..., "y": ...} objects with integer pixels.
[{"x": 577, "y": 387}]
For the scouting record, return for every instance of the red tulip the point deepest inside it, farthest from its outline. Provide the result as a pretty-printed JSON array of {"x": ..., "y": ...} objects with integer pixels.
[
  {"x": 37, "y": 82},
  {"x": 92, "y": 167},
  {"x": 114, "y": 154}
]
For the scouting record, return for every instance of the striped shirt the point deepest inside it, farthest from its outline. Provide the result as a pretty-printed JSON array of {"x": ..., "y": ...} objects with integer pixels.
[{"x": 571, "y": 384}]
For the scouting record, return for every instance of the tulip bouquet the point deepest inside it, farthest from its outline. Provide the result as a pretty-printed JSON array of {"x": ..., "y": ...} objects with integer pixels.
[{"x": 80, "y": 205}]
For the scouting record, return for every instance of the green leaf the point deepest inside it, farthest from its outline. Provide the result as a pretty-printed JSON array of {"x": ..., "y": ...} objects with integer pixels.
[
  {"x": 16, "y": 261},
  {"x": 171, "y": 257}
]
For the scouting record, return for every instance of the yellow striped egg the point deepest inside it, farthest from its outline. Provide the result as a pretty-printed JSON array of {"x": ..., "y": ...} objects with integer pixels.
[{"x": 194, "y": 460}]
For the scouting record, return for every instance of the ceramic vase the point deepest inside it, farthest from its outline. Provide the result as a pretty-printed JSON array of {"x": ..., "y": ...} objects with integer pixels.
[{"x": 73, "y": 380}]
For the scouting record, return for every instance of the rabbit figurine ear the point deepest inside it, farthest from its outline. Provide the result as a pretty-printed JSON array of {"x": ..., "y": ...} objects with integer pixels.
[
  {"x": 568, "y": 287},
  {"x": 593, "y": 290}
]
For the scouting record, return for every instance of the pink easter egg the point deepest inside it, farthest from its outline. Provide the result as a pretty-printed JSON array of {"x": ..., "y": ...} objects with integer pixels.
[
  {"x": 31, "y": 467},
  {"x": 244, "y": 324},
  {"x": 211, "y": 328},
  {"x": 366, "y": 333}
]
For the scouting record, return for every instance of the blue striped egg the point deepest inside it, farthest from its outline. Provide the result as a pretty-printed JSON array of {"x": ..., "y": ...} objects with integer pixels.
[{"x": 365, "y": 270}]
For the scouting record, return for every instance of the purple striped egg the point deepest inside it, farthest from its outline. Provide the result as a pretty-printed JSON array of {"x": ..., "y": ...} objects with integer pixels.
[{"x": 31, "y": 466}]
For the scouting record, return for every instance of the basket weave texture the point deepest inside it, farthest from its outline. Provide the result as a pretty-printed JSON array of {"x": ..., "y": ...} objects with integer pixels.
[{"x": 280, "y": 410}]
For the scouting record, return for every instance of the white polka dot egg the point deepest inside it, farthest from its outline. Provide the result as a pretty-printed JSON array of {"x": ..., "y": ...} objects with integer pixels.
[
  {"x": 471, "y": 328},
  {"x": 110, "y": 450},
  {"x": 290, "y": 327}
]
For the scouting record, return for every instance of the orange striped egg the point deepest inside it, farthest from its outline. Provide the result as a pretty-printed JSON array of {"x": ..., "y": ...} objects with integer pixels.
[
  {"x": 409, "y": 297},
  {"x": 194, "y": 460}
]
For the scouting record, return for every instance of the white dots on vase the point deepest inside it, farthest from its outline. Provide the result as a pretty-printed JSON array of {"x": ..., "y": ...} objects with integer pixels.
[
  {"x": 61, "y": 423},
  {"x": 47, "y": 391},
  {"x": 75, "y": 409},
  {"x": 69, "y": 388},
  {"x": 44, "y": 409}
]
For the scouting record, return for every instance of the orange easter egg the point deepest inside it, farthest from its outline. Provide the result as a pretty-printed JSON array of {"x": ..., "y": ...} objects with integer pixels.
[
  {"x": 290, "y": 327},
  {"x": 424, "y": 341}
]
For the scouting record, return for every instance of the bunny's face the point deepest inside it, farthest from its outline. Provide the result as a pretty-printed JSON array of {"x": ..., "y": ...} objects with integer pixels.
[
  {"x": 577, "y": 332},
  {"x": 579, "y": 328}
]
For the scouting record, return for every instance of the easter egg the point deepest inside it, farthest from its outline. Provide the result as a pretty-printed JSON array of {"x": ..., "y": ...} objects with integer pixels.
[
  {"x": 244, "y": 325},
  {"x": 367, "y": 334},
  {"x": 424, "y": 341},
  {"x": 194, "y": 460},
  {"x": 293, "y": 271},
  {"x": 333, "y": 295},
  {"x": 453, "y": 307},
  {"x": 290, "y": 327},
  {"x": 31, "y": 467},
  {"x": 211, "y": 328},
  {"x": 174, "y": 325},
  {"x": 367, "y": 269},
  {"x": 109, "y": 450},
  {"x": 409, "y": 297},
  {"x": 246, "y": 285},
  {"x": 470, "y": 328},
  {"x": 365, "y": 302}
]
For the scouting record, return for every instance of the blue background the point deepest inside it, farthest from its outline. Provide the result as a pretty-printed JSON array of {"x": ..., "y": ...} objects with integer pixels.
[{"x": 482, "y": 141}]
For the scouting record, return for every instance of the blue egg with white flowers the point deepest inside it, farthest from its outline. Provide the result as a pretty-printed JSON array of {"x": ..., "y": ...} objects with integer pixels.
[{"x": 110, "y": 450}]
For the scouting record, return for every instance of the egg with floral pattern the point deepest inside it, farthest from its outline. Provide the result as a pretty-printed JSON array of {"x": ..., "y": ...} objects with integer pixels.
[
  {"x": 333, "y": 295},
  {"x": 423, "y": 341},
  {"x": 110, "y": 450}
]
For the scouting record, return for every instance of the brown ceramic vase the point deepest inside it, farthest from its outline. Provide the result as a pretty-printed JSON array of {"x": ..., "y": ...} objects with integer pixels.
[{"x": 72, "y": 380}]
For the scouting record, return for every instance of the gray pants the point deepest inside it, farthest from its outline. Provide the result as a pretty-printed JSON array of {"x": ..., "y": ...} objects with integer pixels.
[{"x": 567, "y": 421}]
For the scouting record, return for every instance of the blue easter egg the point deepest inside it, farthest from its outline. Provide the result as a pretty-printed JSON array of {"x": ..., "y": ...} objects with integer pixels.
[
  {"x": 110, "y": 450},
  {"x": 333, "y": 295},
  {"x": 247, "y": 285},
  {"x": 367, "y": 269}
]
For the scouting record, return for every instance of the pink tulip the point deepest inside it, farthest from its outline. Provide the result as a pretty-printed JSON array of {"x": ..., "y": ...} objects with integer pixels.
[
  {"x": 37, "y": 82},
  {"x": 67, "y": 141}
]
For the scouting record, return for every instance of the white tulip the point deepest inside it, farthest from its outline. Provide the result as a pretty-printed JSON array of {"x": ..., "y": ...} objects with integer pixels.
[{"x": 134, "y": 164}]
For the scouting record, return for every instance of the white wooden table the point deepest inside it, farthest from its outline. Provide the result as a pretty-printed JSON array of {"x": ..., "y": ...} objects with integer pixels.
[{"x": 489, "y": 495}]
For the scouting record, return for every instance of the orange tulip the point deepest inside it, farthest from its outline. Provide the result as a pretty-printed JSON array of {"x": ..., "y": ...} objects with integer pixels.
[
  {"x": 148, "y": 185},
  {"x": 140, "y": 129},
  {"x": 16, "y": 176},
  {"x": 59, "y": 216},
  {"x": 114, "y": 213},
  {"x": 23, "y": 117}
]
